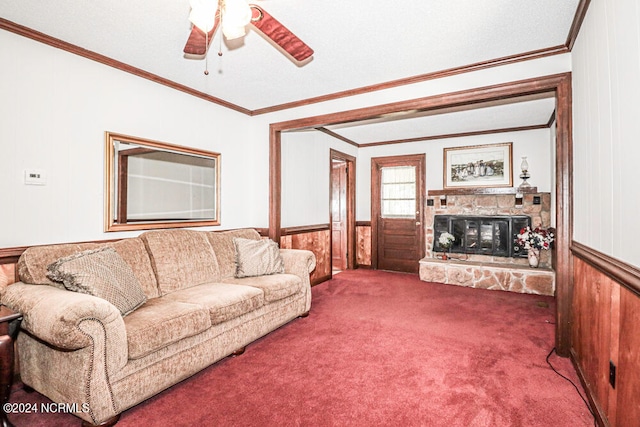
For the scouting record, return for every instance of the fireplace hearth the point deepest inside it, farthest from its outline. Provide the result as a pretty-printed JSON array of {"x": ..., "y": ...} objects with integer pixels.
[{"x": 482, "y": 235}]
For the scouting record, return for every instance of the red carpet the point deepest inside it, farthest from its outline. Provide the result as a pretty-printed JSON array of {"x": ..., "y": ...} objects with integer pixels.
[{"x": 380, "y": 349}]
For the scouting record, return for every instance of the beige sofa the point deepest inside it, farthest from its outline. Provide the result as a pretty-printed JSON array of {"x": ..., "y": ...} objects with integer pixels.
[{"x": 80, "y": 349}]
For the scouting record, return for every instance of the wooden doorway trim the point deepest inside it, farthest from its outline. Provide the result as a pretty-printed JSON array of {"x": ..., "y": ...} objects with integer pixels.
[
  {"x": 376, "y": 164},
  {"x": 351, "y": 203},
  {"x": 558, "y": 84}
]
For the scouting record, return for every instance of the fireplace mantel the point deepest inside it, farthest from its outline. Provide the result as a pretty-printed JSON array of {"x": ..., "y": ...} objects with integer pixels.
[{"x": 481, "y": 190}]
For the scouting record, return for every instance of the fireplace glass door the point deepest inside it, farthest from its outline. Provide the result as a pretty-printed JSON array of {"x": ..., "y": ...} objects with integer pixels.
[{"x": 485, "y": 235}]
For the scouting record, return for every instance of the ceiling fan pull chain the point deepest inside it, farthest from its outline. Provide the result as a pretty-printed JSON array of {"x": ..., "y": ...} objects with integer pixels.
[{"x": 206, "y": 56}]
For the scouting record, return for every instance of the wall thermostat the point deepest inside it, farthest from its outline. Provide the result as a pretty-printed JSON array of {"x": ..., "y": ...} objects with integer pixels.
[{"x": 35, "y": 177}]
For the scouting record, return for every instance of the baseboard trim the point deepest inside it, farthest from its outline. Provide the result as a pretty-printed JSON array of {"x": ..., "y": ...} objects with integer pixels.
[
  {"x": 320, "y": 279},
  {"x": 599, "y": 414}
]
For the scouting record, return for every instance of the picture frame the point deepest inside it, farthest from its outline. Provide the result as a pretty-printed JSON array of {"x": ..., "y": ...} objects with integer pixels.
[{"x": 477, "y": 166}]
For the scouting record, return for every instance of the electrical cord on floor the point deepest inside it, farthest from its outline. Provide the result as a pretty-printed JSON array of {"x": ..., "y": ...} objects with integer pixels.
[{"x": 573, "y": 384}]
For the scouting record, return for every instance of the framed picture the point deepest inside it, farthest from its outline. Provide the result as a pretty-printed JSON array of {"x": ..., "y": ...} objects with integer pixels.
[{"x": 488, "y": 165}]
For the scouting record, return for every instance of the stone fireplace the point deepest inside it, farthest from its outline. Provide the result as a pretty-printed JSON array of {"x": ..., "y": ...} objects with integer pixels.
[{"x": 485, "y": 224}]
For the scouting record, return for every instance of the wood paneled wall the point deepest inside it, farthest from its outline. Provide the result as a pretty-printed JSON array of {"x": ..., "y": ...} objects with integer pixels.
[
  {"x": 363, "y": 244},
  {"x": 605, "y": 320},
  {"x": 7, "y": 274},
  {"x": 628, "y": 399},
  {"x": 316, "y": 239}
]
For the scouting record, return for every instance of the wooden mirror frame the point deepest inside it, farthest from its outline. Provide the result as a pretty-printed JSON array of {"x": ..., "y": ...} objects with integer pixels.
[{"x": 111, "y": 185}]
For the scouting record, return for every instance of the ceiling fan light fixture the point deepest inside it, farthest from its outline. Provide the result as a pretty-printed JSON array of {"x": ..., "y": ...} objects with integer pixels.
[
  {"x": 231, "y": 32},
  {"x": 236, "y": 15},
  {"x": 203, "y": 14}
]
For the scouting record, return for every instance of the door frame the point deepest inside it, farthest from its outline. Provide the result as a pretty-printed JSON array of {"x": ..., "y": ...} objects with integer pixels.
[
  {"x": 351, "y": 206},
  {"x": 376, "y": 164}
]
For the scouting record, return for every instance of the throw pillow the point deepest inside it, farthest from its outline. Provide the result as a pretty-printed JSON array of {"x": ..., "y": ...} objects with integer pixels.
[
  {"x": 101, "y": 273},
  {"x": 257, "y": 257}
]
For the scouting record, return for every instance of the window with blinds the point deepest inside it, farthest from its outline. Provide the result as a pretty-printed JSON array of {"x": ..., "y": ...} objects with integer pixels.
[{"x": 398, "y": 192}]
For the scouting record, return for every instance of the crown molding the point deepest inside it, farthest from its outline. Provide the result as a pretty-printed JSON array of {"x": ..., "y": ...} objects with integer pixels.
[
  {"x": 578, "y": 18},
  {"x": 105, "y": 60},
  {"x": 512, "y": 59},
  {"x": 497, "y": 62}
]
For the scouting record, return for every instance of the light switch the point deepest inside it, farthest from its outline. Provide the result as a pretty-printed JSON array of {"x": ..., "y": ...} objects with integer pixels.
[{"x": 35, "y": 177}]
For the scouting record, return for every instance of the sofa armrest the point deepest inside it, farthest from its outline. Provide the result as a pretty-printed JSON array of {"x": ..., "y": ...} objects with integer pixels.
[
  {"x": 301, "y": 263},
  {"x": 298, "y": 261},
  {"x": 56, "y": 316}
]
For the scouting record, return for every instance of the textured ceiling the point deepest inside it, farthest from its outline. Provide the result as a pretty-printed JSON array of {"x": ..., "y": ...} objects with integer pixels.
[
  {"x": 516, "y": 114},
  {"x": 357, "y": 43}
]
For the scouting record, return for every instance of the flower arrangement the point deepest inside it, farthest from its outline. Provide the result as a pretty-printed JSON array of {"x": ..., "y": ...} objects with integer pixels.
[
  {"x": 538, "y": 238},
  {"x": 446, "y": 240}
]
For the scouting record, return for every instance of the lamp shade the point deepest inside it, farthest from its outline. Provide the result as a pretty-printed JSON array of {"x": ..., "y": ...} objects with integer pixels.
[
  {"x": 203, "y": 14},
  {"x": 236, "y": 15}
]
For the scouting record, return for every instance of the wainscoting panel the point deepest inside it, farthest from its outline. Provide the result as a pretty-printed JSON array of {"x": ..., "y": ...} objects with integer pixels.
[
  {"x": 7, "y": 274},
  {"x": 363, "y": 244},
  {"x": 628, "y": 402},
  {"x": 591, "y": 333},
  {"x": 605, "y": 319},
  {"x": 316, "y": 241}
]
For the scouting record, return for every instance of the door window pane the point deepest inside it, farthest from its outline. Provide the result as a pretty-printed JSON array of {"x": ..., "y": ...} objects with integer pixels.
[{"x": 398, "y": 192}]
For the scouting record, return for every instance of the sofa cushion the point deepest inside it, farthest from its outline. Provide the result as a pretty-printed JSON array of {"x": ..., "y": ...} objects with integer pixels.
[
  {"x": 32, "y": 265},
  {"x": 101, "y": 273},
  {"x": 223, "y": 301},
  {"x": 222, "y": 243},
  {"x": 257, "y": 258},
  {"x": 161, "y": 322},
  {"x": 275, "y": 286},
  {"x": 181, "y": 258},
  {"x": 134, "y": 253}
]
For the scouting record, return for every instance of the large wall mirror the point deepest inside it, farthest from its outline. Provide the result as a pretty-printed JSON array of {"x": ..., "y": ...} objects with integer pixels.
[{"x": 150, "y": 184}]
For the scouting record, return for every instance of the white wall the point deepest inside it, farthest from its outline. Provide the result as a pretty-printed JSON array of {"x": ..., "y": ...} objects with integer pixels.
[
  {"x": 532, "y": 143},
  {"x": 305, "y": 176},
  {"x": 55, "y": 108},
  {"x": 606, "y": 129},
  {"x": 305, "y": 168}
]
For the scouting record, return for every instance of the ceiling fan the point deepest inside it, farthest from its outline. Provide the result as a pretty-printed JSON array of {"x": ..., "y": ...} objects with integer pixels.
[{"x": 234, "y": 15}]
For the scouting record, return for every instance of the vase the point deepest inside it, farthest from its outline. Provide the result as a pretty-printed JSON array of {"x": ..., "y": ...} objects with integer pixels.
[
  {"x": 444, "y": 256},
  {"x": 534, "y": 257}
]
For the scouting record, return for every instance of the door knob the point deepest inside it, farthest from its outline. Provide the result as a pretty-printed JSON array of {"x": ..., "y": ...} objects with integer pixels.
[{"x": 418, "y": 223}]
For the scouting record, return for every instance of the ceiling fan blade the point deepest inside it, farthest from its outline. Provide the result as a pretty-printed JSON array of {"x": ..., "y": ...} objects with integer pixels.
[
  {"x": 197, "y": 42},
  {"x": 281, "y": 35}
]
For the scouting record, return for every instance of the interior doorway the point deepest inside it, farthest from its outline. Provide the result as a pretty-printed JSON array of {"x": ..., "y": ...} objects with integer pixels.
[
  {"x": 397, "y": 200},
  {"x": 342, "y": 211}
]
